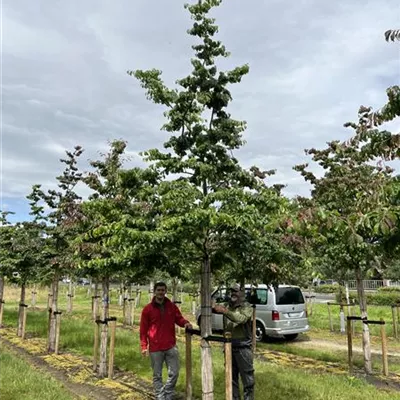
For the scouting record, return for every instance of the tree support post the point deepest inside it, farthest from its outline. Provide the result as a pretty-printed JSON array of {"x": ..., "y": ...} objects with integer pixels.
[
  {"x": 24, "y": 312},
  {"x": 34, "y": 293},
  {"x": 384, "y": 349},
  {"x": 49, "y": 300},
  {"x": 2, "y": 302},
  {"x": 96, "y": 345},
  {"x": 70, "y": 296},
  {"x": 95, "y": 307},
  {"x": 330, "y": 317},
  {"x": 189, "y": 387},
  {"x": 395, "y": 332},
  {"x": 350, "y": 344},
  {"x": 58, "y": 326},
  {"x": 228, "y": 366},
  {"x": 124, "y": 319},
  {"x": 113, "y": 321}
]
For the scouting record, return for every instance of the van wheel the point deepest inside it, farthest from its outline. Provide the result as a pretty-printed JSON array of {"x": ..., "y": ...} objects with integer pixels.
[
  {"x": 291, "y": 337},
  {"x": 260, "y": 331}
]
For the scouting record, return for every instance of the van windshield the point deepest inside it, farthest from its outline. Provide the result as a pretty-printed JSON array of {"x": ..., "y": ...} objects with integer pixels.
[{"x": 288, "y": 295}]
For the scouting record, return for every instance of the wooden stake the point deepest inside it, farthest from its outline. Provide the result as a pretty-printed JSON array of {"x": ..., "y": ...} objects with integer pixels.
[
  {"x": 350, "y": 345},
  {"x": 33, "y": 299},
  {"x": 24, "y": 312},
  {"x": 254, "y": 341},
  {"x": 384, "y": 349},
  {"x": 48, "y": 327},
  {"x": 130, "y": 312},
  {"x": 49, "y": 300},
  {"x": 1, "y": 312},
  {"x": 330, "y": 318},
  {"x": 394, "y": 322},
  {"x": 113, "y": 321},
  {"x": 133, "y": 314},
  {"x": 95, "y": 346},
  {"x": 228, "y": 366},
  {"x": 397, "y": 308},
  {"x": 189, "y": 387},
  {"x": 124, "y": 310},
  {"x": 58, "y": 326}
]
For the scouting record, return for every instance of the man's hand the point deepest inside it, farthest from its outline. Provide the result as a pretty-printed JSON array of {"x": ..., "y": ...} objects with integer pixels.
[
  {"x": 145, "y": 353},
  {"x": 220, "y": 309},
  {"x": 188, "y": 325}
]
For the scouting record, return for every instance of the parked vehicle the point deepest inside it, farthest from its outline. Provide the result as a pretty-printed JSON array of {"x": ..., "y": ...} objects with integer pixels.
[{"x": 280, "y": 312}]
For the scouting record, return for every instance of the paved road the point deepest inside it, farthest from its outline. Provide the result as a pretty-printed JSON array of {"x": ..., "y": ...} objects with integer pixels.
[{"x": 321, "y": 297}]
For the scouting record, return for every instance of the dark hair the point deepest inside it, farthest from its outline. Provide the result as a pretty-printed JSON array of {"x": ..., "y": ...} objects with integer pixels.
[{"x": 160, "y": 284}]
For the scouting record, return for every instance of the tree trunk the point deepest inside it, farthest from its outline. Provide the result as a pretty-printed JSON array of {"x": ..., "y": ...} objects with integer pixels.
[
  {"x": 1, "y": 299},
  {"x": 174, "y": 289},
  {"x": 53, "y": 320},
  {"x": 151, "y": 290},
  {"x": 365, "y": 329},
  {"x": 21, "y": 309},
  {"x": 206, "y": 330},
  {"x": 104, "y": 328}
]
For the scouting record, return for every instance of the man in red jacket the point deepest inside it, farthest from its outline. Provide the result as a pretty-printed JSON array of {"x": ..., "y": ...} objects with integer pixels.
[{"x": 157, "y": 338}]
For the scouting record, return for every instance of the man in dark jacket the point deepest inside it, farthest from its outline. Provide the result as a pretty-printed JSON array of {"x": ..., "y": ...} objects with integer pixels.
[
  {"x": 157, "y": 338},
  {"x": 237, "y": 320}
]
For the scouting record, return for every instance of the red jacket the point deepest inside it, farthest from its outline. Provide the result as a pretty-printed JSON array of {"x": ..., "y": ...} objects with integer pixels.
[{"x": 157, "y": 329}]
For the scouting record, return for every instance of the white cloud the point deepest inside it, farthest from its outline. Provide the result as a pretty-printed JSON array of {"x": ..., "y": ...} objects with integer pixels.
[{"x": 312, "y": 64}]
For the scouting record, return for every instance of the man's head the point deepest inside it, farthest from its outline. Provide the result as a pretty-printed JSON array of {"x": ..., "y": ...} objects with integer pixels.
[
  {"x": 160, "y": 290},
  {"x": 236, "y": 294}
]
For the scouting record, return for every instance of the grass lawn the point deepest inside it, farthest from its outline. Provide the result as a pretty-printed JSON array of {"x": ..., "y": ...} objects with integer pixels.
[
  {"x": 273, "y": 381},
  {"x": 19, "y": 380}
]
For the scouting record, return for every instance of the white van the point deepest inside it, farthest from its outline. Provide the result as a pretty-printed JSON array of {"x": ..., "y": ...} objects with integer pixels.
[{"x": 279, "y": 313}]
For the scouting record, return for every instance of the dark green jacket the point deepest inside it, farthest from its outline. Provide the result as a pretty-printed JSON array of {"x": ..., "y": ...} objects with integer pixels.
[{"x": 238, "y": 321}]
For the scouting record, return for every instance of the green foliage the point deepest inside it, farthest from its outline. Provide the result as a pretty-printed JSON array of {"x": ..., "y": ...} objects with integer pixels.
[
  {"x": 115, "y": 225},
  {"x": 352, "y": 210},
  {"x": 59, "y": 221},
  {"x": 215, "y": 211},
  {"x": 327, "y": 288},
  {"x": 389, "y": 289},
  {"x": 6, "y": 235},
  {"x": 374, "y": 299}
]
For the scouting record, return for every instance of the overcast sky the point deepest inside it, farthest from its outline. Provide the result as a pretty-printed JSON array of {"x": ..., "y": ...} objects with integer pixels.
[{"x": 64, "y": 82}]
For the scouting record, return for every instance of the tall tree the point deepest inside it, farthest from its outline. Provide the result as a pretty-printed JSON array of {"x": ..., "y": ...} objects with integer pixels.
[
  {"x": 6, "y": 235},
  {"x": 199, "y": 150},
  {"x": 27, "y": 259},
  {"x": 63, "y": 209},
  {"x": 351, "y": 209},
  {"x": 110, "y": 227}
]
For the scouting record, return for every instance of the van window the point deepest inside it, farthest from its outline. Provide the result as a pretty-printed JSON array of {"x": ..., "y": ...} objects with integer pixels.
[
  {"x": 257, "y": 296},
  {"x": 220, "y": 295},
  {"x": 288, "y": 295}
]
